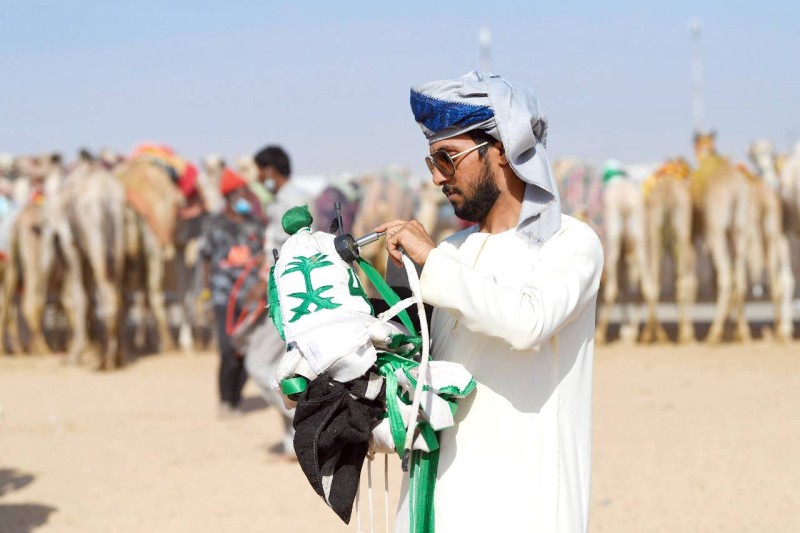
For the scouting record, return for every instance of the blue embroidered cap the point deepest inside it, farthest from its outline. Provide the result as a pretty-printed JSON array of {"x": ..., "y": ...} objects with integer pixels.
[{"x": 438, "y": 115}]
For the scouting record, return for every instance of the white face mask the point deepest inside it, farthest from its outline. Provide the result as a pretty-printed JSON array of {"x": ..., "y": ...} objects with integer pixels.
[{"x": 270, "y": 184}]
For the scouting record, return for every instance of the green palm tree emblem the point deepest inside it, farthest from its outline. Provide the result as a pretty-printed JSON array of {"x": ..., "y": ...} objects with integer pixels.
[{"x": 313, "y": 296}]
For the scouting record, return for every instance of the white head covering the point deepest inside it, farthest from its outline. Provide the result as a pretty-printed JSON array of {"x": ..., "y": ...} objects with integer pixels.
[{"x": 511, "y": 115}]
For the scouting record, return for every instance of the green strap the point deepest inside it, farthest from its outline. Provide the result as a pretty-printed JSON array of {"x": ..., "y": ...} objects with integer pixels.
[
  {"x": 392, "y": 408},
  {"x": 386, "y": 292},
  {"x": 294, "y": 385},
  {"x": 274, "y": 303},
  {"x": 422, "y": 482}
]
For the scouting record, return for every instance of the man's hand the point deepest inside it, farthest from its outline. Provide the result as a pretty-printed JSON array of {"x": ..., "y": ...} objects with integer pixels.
[{"x": 411, "y": 237}]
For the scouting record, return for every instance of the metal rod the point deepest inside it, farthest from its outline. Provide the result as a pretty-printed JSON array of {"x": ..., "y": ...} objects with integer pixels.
[{"x": 369, "y": 238}]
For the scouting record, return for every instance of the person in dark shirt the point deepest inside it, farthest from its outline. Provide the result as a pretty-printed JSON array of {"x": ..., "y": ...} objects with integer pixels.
[{"x": 233, "y": 242}]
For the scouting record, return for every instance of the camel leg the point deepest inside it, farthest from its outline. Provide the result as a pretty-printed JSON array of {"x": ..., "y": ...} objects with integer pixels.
[
  {"x": 107, "y": 299},
  {"x": 739, "y": 294},
  {"x": 73, "y": 296},
  {"x": 686, "y": 285},
  {"x": 685, "y": 263},
  {"x": 33, "y": 299},
  {"x": 722, "y": 265},
  {"x": 654, "y": 245},
  {"x": 155, "y": 291},
  {"x": 137, "y": 314},
  {"x": 611, "y": 289},
  {"x": 781, "y": 282},
  {"x": 187, "y": 264},
  {"x": 8, "y": 321}
]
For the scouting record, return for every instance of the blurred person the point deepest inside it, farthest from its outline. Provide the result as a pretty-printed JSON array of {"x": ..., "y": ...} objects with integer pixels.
[
  {"x": 266, "y": 346},
  {"x": 345, "y": 190},
  {"x": 514, "y": 299},
  {"x": 232, "y": 242}
]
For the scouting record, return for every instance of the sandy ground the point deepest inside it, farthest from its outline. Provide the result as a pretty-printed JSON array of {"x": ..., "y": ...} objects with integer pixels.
[{"x": 686, "y": 439}]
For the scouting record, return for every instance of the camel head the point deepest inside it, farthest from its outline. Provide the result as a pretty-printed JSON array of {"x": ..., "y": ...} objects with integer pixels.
[
  {"x": 246, "y": 166},
  {"x": 110, "y": 159},
  {"x": 6, "y": 164},
  {"x": 705, "y": 144},
  {"x": 762, "y": 153}
]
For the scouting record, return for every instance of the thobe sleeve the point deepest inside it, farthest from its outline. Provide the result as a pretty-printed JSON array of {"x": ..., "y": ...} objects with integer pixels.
[{"x": 557, "y": 289}]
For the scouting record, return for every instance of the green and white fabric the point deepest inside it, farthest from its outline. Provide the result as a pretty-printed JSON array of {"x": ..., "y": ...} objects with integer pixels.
[{"x": 320, "y": 309}]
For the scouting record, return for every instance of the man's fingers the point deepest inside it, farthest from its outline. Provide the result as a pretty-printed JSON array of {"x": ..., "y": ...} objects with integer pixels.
[{"x": 387, "y": 225}]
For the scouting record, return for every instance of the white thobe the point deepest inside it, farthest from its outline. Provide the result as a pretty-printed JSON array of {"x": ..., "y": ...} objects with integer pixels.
[
  {"x": 288, "y": 196},
  {"x": 520, "y": 317}
]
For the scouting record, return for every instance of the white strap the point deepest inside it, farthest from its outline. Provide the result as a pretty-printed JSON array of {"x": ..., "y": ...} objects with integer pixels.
[
  {"x": 395, "y": 309},
  {"x": 416, "y": 291}
]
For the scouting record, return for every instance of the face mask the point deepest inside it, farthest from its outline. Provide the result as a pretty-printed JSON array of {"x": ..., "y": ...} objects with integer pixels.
[
  {"x": 270, "y": 184},
  {"x": 242, "y": 206}
]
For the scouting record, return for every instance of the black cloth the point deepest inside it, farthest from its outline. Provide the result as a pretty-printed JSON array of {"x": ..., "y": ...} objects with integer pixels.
[
  {"x": 232, "y": 374},
  {"x": 332, "y": 429}
]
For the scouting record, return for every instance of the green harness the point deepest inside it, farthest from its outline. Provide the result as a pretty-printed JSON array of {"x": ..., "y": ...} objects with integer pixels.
[{"x": 423, "y": 465}]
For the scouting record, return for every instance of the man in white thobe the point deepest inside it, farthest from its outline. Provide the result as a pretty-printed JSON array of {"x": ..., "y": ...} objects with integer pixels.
[{"x": 514, "y": 300}]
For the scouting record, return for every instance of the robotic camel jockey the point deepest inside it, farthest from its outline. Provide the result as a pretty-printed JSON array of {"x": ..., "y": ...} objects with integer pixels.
[{"x": 353, "y": 376}]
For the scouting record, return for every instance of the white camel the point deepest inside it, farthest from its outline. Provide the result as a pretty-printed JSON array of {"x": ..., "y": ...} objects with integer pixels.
[
  {"x": 623, "y": 221},
  {"x": 768, "y": 246},
  {"x": 85, "y": 224}
]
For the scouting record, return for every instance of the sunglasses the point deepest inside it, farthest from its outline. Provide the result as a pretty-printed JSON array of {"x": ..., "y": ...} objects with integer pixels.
[{"x": 446, "y": 163}]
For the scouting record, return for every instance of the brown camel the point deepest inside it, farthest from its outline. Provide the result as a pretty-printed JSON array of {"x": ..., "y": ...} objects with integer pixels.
[
  {"x": 39, "y": 176},
  {"x": 150, "y": 221},
  {"x": 668, "y": 218},
  {"x": 22, "y": 269},
  {"x": 386, "y": 197},
  {"x": 720, "y": 198}
]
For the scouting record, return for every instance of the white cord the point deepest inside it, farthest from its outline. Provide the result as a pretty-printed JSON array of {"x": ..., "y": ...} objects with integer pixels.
[
  {"x": 416, "y": 291},
  {"x": 358, "y": 508},
  {"x": 371, "y": 506},
  {"x": 395, "y": 309},
  {"x": 386, "y": 489}
]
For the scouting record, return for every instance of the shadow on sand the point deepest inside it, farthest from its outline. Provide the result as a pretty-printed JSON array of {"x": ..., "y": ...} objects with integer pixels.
[
  {"x": 20, "y": 517},
  {"x": 253, "y": 403}
]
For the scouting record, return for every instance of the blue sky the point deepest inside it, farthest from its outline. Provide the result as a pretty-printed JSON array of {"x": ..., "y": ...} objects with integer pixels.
[{"x": 330, "y": 80}]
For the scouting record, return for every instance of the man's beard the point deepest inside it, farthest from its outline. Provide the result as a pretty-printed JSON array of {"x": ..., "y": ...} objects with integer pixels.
[{"x": 477, "y": 206}]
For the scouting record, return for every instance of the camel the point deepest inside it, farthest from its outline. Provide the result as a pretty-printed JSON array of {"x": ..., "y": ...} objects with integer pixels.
[
  {"x": 720, "y": 200},
  {"x": 37, "y": 176},
  {"x": 767, "y": 242},
  {"x": 668, "y": 220},
  {"x": 385, "y": 197},
  {"x": 85, "y": 225},
  {"x": 790, "y": 189},
  {"x": 580, "y": 189},
  {"x": 212, "y": 165},
  {"x": 23, "y": 267},
  {"x": 150, "y": 221},
  {"x": 623, "y": 221}
]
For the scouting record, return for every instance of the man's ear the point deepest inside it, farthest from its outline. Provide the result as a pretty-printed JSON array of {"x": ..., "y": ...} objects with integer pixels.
[{"x": 502, "y": 155}]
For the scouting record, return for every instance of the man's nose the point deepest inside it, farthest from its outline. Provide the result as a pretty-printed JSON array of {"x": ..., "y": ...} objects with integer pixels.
[{"x": 438, "y": 178}]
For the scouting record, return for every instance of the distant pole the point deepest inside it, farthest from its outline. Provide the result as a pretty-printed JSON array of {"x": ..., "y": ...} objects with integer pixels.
[
  {"x": 695, "y": 26},
  {"x": 485, "y": 42}
]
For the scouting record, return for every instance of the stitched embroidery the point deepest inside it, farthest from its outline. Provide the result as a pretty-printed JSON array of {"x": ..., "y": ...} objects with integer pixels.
[{"x": 314, "y": 296}]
